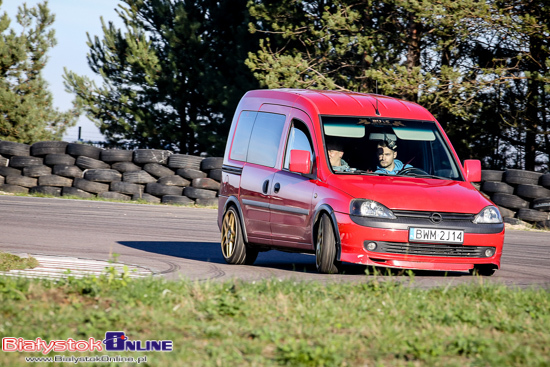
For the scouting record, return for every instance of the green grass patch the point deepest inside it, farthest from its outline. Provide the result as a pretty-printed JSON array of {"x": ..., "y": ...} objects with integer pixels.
[
  {"x": 378, "y": 322},
  {"x": 14, "y": 262}
]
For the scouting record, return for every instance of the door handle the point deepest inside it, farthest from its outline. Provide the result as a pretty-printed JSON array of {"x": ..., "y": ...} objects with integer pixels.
[
  {"x": 265, "y": 186},
  {"x": 277, "y": 187}
]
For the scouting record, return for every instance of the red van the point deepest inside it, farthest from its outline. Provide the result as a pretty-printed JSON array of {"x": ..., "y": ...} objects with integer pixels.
[{"x": 359, "y": 178}]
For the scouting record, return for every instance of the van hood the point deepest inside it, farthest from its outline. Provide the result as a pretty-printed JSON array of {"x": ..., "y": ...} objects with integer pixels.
[{"x": 410, "y": 193}]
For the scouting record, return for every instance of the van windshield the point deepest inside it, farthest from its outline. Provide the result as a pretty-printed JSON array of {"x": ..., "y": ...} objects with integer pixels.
[{"x": 381, "y": 146}]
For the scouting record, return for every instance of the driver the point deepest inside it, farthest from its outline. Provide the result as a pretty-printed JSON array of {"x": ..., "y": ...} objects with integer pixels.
[{"x": 387, "y": 152}]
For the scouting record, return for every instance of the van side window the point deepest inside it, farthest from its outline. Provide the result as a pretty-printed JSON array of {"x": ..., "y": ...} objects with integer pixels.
[
  {"x": 242, "y": 135},
  {"x": 265, "y": 139},
  {"x": 298, "y": 139}
]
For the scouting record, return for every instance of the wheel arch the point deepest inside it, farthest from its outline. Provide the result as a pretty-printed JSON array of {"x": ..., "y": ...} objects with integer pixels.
[
  {"x": 326, "y": 209},
  {"x": 233, "y": 201}
]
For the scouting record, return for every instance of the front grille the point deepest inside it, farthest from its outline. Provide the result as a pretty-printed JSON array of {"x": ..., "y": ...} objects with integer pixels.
[
  {"x": 430, "y": 249},
  {"x": 426, "y": 215}
]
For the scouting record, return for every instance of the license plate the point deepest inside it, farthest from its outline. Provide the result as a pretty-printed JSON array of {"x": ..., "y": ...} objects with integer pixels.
[{"x": 436, "y": 235}]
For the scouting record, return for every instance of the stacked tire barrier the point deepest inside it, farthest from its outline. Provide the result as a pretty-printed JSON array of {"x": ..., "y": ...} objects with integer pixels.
[
  {"x": 520, "y": 195},
  {"x": 68, "y": 169}
]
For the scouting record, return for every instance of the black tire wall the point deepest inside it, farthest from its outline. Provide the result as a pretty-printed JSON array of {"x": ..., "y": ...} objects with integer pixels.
[{"x": 59, "y": 168}]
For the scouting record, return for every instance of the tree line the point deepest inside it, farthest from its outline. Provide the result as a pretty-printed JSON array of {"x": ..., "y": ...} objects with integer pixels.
[{"x": 173, "y": 75}]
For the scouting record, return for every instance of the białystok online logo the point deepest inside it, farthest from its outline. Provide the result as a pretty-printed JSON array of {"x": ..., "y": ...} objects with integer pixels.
[{"x": 114, "y": 341}]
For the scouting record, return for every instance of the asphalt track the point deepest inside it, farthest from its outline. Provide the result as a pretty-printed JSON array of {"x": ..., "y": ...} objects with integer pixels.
[{"x": 179, "y": 242}]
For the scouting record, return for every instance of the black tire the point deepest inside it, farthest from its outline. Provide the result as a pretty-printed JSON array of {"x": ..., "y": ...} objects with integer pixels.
[
  {"x": 4, "y": 162},
  {"x": 506, "y": 213},
  {"x": 91, "y": 163},
  {"x": 532, "y": 191},
  {"x": 142, "y": 156},
  {"x": 191, "y": 173},
  {"x": 146, "y": 197},
  {"x": 157, "y": 189},
  {"x": 520, "y": 177},
  {"x": 491, "y": 175},
  {"x": 215, "y": 174},
  {"x": 542, "y": 204},
  {"x": 11, "y": 148},
  {"x": 177, "y": 199},
  {"x": 158, "y": 170},
  {"x": 207, "y": 202},
  {"x": 138, "y": 177},
  {"x": 174, "y": 180},
  {"x": 89, "y": 186},
  {"x": 114, "y": 196},
  {"x": 54, "y": 180},
  {"x": 116, "y": 155},
  {"x": 493, "y": 187},
  {"x": 25, "y": 161},
  {"x": 9, "y": 171},
  {"x": 195, "y": 193},
  {"x": 325, "y": 247},
  {"x": 46, "y": 190},
  {"x": 206, "y": 183},
  {"x": 49, "y": 147},
  {"x": 513, "y": 221},
  {"x": 545, "y": 180},
  {"x": 37, "y": 171},
  {"x": 65, "y": 159},
  {"x": 483, "y": 270},
  {"x": 543, "y": 225},
  {"x": 14, "y": 189},
  {"x": 123, "y": 167},
  {"x": 83, "y": 150},
  {"x": 531, "y": 215},
  {"x": 185, "y": 161},
  {"x": 102, "y": 175},
  {"x": 67, "y": 171},
  {"x": 24, "y": 181},
  {"x": 234, "y": 249},
  {"x": 509, "y": 201},
  {"x": 74, "y": 191},
  {"x": 211, "y": 163},
  {"x": 127, "y": 188}
]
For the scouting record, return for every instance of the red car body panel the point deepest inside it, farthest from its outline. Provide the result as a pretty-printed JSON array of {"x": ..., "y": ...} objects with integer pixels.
[{"x": 283, "y": 216}]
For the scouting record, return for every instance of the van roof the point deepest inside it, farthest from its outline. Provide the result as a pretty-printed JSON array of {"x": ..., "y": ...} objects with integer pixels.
[{"x": 343, "y": 103}]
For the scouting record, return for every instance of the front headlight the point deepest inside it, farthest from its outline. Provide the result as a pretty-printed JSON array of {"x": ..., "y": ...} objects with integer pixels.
[
  {"x": 370, "y": 208},
  {"x": 488, "y": 215}
]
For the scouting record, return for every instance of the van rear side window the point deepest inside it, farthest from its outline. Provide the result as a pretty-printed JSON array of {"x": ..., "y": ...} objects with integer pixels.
[
  {"x": 265, "y": 139},
  {"x": 242, "y": 135}
]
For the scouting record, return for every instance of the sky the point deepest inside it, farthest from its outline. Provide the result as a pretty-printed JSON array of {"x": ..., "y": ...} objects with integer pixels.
[{"x": 73, "y": 18}]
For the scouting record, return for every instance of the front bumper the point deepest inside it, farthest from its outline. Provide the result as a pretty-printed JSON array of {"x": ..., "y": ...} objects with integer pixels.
[{"x": 394, "y": 249}]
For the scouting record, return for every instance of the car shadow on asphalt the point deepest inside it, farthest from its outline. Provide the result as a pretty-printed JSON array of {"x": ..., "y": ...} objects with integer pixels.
[{"x": 302, "y": 263}]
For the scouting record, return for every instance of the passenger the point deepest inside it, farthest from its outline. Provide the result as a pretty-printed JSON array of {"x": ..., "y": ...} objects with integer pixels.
[
  {"x": 335, "y": 153},
  {"x": 387, "y": 152}
]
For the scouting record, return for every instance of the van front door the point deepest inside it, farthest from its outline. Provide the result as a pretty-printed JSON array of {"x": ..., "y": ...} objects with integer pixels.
[{"x": 291, "y": 197}]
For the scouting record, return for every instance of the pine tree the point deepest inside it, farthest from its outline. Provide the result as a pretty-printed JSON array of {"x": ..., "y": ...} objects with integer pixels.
[
  {"x": 481, "y": 67},
  {"x": 27, "y": 114},
  {"x": 172, "y": 78}
]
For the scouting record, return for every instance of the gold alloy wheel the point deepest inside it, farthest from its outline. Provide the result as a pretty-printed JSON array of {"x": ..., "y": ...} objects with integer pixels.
[{"x": 229, "y": 234}]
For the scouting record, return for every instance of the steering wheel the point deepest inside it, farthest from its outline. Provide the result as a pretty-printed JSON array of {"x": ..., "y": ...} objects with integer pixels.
[{"x": 413, "y": 170}]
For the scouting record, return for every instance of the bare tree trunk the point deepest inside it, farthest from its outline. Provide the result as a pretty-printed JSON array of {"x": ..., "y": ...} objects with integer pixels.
[{"x": 413, "y": 49}]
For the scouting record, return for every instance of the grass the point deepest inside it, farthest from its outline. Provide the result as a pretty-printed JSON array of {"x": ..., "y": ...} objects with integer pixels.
[
  {"x": 13, "y": 262},
  {"x": 284, "y": 323}
]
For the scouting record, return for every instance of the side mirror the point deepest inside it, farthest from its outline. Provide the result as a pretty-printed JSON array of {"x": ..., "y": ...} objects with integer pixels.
[
  {"x": 472, "y": 168},
  {"x": 300, "y": 161}
]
